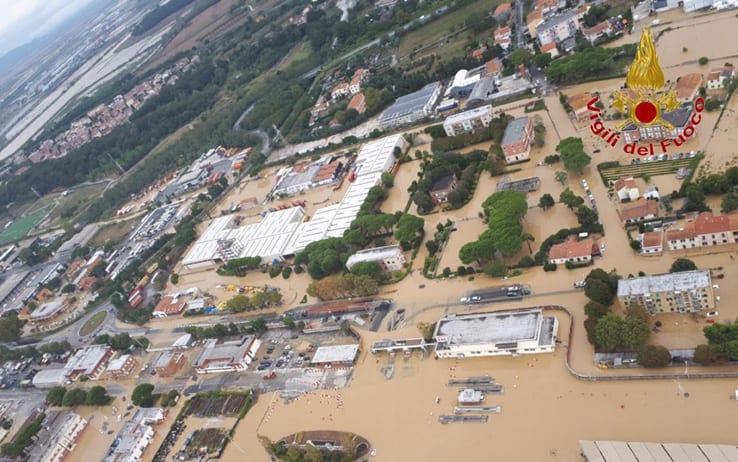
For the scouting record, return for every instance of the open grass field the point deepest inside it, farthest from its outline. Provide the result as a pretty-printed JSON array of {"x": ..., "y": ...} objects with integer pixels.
[
  {"x": 650, "y": 168},
  {"x": 444, "y": 25},
  {"x": 22, "y": 226},
  {"x": 115, "y": 232},
  {"x": 93, "y": 323}
]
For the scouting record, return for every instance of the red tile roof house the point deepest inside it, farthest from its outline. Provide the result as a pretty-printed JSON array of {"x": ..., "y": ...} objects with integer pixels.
[
  {"x": 651, "y": 242},
  {"x": 571, "y": 250},
  {"x": 704, "y": 231},
  {"x": 639, "y": 210}
]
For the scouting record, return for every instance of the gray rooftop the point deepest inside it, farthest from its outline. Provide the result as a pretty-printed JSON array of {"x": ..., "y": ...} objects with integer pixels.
[
  {"x": 617, "y": 451},
  {"x": 302, "y": 178},
  {"x": 483, "y": 90},
  {"x": 687, "y": 280},
  {"x": 490, "y": 327},
  {"x": 410, "y": 103},
  {"x": 557, "y": 19},
  {"x": 226, "y": 352},
  {"x": 514, "y": 130}
]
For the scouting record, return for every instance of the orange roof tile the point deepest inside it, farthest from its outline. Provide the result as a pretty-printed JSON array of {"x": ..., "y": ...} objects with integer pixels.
[
  {"x": 652, "y": 239},
  {"x": 579, "y": 101},
  {"x": 688, "y": 85},
  {"x": 571, "y": 248},
  {"x": 638, "y": 209},
  {"x": 502, "y": 8},
  {"x": 493, "y": 66},
  {"x": 548, "y": 47}
]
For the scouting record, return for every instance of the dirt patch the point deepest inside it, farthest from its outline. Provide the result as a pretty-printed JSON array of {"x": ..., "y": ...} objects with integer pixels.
[{"x": 115, "y": 232}]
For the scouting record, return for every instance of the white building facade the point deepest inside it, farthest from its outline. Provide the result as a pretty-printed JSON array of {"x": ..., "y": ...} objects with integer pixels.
[
  {"x": 468, "y": 121},
  {"x": 389, "y": 257}
]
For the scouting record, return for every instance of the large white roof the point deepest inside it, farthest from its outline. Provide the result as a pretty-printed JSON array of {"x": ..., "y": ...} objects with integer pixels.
[{"x": 336, "y": 354}]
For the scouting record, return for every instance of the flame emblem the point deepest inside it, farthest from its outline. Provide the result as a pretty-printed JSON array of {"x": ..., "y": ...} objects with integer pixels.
[{"x": 646, "y": 78}]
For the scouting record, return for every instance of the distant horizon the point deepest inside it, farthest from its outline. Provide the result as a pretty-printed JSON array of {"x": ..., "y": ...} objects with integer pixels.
[{"x": 38, "y": 16}]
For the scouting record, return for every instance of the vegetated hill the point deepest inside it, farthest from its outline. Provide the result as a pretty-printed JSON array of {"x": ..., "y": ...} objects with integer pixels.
[{"x": 158, "y": 14}]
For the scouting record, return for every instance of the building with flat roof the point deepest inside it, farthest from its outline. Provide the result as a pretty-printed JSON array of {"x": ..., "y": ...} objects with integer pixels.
[
  {"x": 463, "y": 82},
  {"x": 49, "y": 378},
  {"x": 470, "y": 397},
  {"x": 468, "y": 121},
  {"x": 679, "y": 118},
  {"x": 389, "y": 257},
  {"x": 516, "y": 141},
  {"x": 121, "y": 367},
  {"x": 490, "y": 89},
  {"x": 135, "y": 436},
  {"x": 705, "y": 230},
  {"x": 88, "y": 361},
  {"x": 683, "y": 292},
  {"x": 491, "y": 334},
  {"x": 558, "y": 28},
  {"x": 57, "y": 437},
  {"x": 229, "y": 356},
  {"x": 618, "y": 451},
  {"x": 336, "y": 355},
  {"x": 411, "y": 107},
  {"x": 47, "y": 311},
  {"x": 168, "y": 363}
]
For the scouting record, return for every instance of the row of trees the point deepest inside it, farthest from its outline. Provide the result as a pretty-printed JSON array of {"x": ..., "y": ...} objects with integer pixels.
[
  {"x": 257, "y": 325},
  {"x": 504, "y": 211},
  {"x": 591, "y": 63},
  {"x": 121, "y": 342},
  {"x": 343, "y": 286},
  {"x": 715, "y": 184},
  {"x": 63, "y": 397},
  {"x": 258, "y": 300}
]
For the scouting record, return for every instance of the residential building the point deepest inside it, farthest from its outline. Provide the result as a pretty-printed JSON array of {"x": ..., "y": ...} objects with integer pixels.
[
  {"x": 503, "y": 42},
  {"x": 359, "y": 77},
  {"x": 339, "y": 91},
  {"x": 652, "y": 192},
  {"x": 551, "y": 49},
  {"x": 717, "y": 77},
  {"x": 478, "y": 53},
  {"x": 389, "y": 257},
  {"x": 168, "y": 363},
  {"x": 357, "y": 103},
  {"x": 660, "y": 6},
  {"x": 491, "y": 334},
  {"x": 412, "y": 107},
  {"x": 135, "y": 436},
  {"x": 121, "y": 367},
  {"x": 694, "y": 5},
  {"x": 502, "y": 32},
  {"x": 57, "y": 437},
  {"x": 579, "y": 104},
  {"x": 169, "y": 305},
  {"x": 602, "y": 29},
  {"x": 679, "y": 118},
  {"x": 571, "y": 250},
  {"x": 626, "y": 189},
  {"x": 688, "y": 87},
  {"x": 336, "y": 355},
  {"x": 88, "y": 361},
  {"x": 651, "y": 242},
  {"x": 502, "y": 11},
  {"x": 493, "y": 67},
  {"x": 558, "y": 28},
  {"x": 468, "y": 121},
  {"x": 549, "y": 7},
  {"x": 229, "y": 356},
  {"x": 705, "y": 230},
  {"x": 516, "y": 141},
  {"x": 533, "y": 20},
  {"x": 642, "y": 209},
  {"x": 442, "y": 188},
  {"x": 612, "y": 451},
  {"x": 687, "y": 291}
]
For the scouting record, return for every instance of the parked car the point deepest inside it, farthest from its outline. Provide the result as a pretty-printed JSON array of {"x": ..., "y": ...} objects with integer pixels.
[{"x": 712, "y": 314}]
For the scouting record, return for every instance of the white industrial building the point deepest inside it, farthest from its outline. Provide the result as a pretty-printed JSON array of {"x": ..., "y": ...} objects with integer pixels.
[
  {"x": 337, "y": 355},
  {"x": 463, "y": 82},
  {"x": 694, "y": 5},
  {"x": 389, "y": 257},
  {"x": 49, "y": 378},
  {"x": 468, "y": 121},
  {"x": 88, "y": 361},
  {"x": 632, "y": 451},
  {"x": 284, "y": 233},
  {"x": 491, "y": 334}
]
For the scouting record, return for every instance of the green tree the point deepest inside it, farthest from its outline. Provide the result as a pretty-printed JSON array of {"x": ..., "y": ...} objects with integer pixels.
[
  {"x": 409, "y": 227},
  {"x": 639, "y": 312},
  {"x": 635, "y": 333},
  {"x": 542, "y": 60},
  {"x": 520, "y": 56},
  {"x": 586, "y": 216},
  {"x": 703, "y": 355},
  {"x": 55, "y": 396},
  {"x": 599, "y": 292},
  {"x": 729, "y": 202},
  {"x": 74, "y": 397},
  {"x": 546, "y": 201},
  {"x": 426, "y": 330},
  {"x": 68, "y": 289},
  {"x": 682, "y": 264},
  {"x": 571, "y": 200},
  {"x": 703, "y": 60},
  {"x": 495, "y": 268},
  {"x": 10, "y": 328},
  {"x": 371, "y": 269},
  {"x": 572, "y": 154},
  {"x": 388, "y": 180},
  {"x": 595, "y": 310},
  {"x": 561, "y": 176},
  {"x": 635, "y": 245},
  {"x": 609, "y": 333},
  {"x": 539, "y": 134},
  {"x": 143, "y": 395},
  {"x": 653, "y": 356},
  {"x": 97, "y": 396},
  {"x": 259, "y": 325}
]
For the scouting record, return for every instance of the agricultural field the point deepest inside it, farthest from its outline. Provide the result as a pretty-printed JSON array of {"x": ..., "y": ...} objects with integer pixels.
[
  {"x": 651, "y": 168},
  {"x": 217, "y": 405},
  {"x": 22, "y": 226}
]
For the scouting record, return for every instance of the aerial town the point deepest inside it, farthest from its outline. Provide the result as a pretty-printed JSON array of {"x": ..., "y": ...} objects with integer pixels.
[{"x": 290, "y": 232}]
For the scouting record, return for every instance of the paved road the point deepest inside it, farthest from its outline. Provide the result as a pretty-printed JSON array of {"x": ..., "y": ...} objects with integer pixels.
[{"x": 520, "y": 25}]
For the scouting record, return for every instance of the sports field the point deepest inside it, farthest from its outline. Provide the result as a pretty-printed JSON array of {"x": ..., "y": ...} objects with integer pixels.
[{"x": 21, "y": 226}]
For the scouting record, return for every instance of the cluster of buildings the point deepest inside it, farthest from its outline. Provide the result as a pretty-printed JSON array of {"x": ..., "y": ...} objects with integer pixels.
[
  {"x": 90, "y": 361},
  {"x": 704, "y": 230},
  {"x": 283, "y": 233},
  {"x": 58, "y": 436},
  {"x": 341, "y": 90},
  {"x": 227, "y": 356},
  {"x": 102, "y": 119},
  {"x": 301, "y": 177},
  {"x": 683, "y": 292},
  {"x": 692, "y": 5},
  {"x": 135, "y": 436}
]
